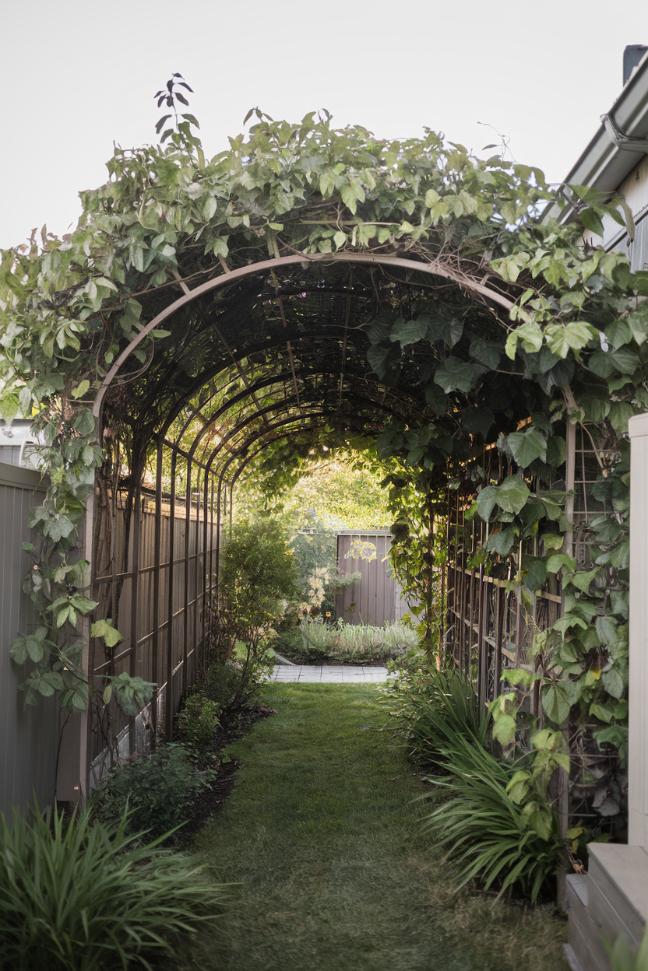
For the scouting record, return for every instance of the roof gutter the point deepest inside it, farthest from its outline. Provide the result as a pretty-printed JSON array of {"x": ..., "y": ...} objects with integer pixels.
[{"x": 616, "y": 148}]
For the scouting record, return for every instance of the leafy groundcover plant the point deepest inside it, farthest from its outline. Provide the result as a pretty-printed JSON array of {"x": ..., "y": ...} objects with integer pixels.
[
  {"x": 160, "y": 791},
  {"x": 80, "y": 895}
]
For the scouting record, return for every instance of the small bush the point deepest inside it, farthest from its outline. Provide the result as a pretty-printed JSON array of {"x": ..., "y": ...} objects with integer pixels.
[
  {"x": 82, "y": 896},
  {"x": 221, "y": 683},
  {"x": 159, "y": 790},
  {"x": 197, "y": 724}
]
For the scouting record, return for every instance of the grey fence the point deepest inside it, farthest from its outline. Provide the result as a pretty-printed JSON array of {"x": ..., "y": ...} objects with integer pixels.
[
  {"x": 28, "y": 735},
  {"x": 376, "y": 597}
]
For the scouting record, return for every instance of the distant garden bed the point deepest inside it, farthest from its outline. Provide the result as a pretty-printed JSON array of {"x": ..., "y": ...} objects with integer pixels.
[{"x": 316, "y": 642}]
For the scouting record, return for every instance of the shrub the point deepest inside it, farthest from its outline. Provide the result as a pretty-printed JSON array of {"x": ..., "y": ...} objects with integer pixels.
[
  {"x": 492, "y": 837},
  {"x": 221, "y": 683},
  {"x": 258, "y": 578},
  {"x": 197, "y": 724},
  {"x": 77, "y": 895},
  {"x": 159, "y": 790}
]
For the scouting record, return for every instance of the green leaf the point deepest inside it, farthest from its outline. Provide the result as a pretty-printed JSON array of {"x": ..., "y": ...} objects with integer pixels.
[
  {"x": 518, "y": 786},
  {"x": 620, "y": 414},
  {"x": 556, "y": 703},
  {"x": 408, "y": 331},
  {"x": 485, "y": 352},
  {"x": 563, "y": 338},
  {"x": 535, "y": 572},
  {"x": 501, "y": 541},
  {"x": 105, "y": 629},
  {"x": 591, "y": 220},
  {"x": 553, "y": 541},
  {"x": 519, "y": 676},
  {"x": 84, "y": 422},
  {"x": 560, "y": 561},
  {"x": 607, "y": 630},
  {"x": 613, "y": 683},
  {"x": 583, "y": 579},
  {"x": 457, "y": 375},
  {"x": 504, "y": 728},
  {"x": 512, "y": 495},
  {"x": 529, "y": 335},
  {"x": 527, "y": 446},
  {"x": 83, "y": 604},
  {"x": 377, "y": 356},
  {"x": 80, "y": 389},
  {"x": 486, "y": 502},
  {"x": 209, "y": 208}
]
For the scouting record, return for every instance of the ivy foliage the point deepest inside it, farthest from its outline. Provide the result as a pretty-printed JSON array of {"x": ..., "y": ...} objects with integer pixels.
[{"x": 526, "y": 331}]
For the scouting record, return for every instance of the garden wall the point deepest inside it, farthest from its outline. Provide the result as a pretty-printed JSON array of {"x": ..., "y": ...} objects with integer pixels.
[{"x": 28, "y": 735}]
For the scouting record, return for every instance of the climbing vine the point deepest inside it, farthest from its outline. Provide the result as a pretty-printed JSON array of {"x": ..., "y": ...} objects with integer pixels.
[{"x": 534, "y": 331}]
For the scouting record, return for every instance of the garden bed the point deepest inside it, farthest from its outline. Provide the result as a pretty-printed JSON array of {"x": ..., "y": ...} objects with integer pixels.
[{"x": 317, "y": 642}]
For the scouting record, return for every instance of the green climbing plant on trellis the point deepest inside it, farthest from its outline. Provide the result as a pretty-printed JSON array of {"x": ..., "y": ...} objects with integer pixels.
[{"x": 566, "y": 343}]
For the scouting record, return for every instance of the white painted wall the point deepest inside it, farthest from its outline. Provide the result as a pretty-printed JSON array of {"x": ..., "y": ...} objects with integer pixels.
[{"x": 638, "y": 721}]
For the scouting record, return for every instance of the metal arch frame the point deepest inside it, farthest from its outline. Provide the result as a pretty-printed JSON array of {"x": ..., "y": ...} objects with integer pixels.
[
  {"x": 434, "y": 267},
  {"x": 249, "y": 418},
  {"x": 286, "y": 401},
  {"x": 208, "y": 376}
]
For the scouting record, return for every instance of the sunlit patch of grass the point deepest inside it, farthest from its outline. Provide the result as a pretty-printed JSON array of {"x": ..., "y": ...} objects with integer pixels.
[{"x": 322, "y": 834}]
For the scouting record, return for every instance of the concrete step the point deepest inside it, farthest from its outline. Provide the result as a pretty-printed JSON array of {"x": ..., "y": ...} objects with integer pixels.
[
  {"x": 618, "y": 890},
  {"x": 584, "y": 950}
]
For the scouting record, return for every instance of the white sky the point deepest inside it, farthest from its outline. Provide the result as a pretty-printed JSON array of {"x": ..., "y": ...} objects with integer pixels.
[{"x": 79, "y": 74}]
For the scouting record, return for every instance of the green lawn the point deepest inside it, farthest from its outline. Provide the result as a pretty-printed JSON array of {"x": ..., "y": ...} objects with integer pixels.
[{"x": 320, "y": 833}]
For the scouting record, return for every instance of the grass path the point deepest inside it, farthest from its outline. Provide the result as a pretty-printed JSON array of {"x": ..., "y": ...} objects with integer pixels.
[{"x": 320, "y": 833}]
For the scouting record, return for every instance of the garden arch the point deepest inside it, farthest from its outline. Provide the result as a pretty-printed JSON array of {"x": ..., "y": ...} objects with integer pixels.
[
  {"x": 326, "y": 281},
  {"x": 245, "y": 422}
]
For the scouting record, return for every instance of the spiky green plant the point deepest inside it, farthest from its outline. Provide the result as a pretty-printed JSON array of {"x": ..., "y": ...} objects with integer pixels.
[
  {"x": 491, "y": 837},
  {"x": 435, "y": 707},
  {"x": 79, "y": 895}
]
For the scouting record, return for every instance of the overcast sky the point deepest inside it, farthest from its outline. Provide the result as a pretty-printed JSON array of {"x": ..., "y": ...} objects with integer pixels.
[{"x": 79, "y": 74}]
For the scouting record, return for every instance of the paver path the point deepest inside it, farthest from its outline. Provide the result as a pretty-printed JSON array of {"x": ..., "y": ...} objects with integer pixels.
[
  {"x": 330, "y": 673},
  {"x": 321, "y": 836}
]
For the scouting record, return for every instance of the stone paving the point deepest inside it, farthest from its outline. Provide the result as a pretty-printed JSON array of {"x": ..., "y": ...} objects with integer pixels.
[{"x": 330, "y": 673}]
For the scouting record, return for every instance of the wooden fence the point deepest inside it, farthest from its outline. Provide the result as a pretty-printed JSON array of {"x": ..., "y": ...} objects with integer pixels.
[
  {"x": 376, "y": 597},
  {"x": 28, "y": 735}
]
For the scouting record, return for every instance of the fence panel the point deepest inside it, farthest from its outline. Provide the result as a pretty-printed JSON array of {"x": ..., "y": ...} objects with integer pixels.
[
  {"x": 376, "y": 598},
  {"x": 28, "y": 735}
]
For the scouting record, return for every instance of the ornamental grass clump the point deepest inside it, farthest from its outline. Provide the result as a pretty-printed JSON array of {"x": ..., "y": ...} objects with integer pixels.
[
  {"x": 493, "y": 838},
  {"x": 435, "y": 707},
  {"x": 80, "y": 895}
]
